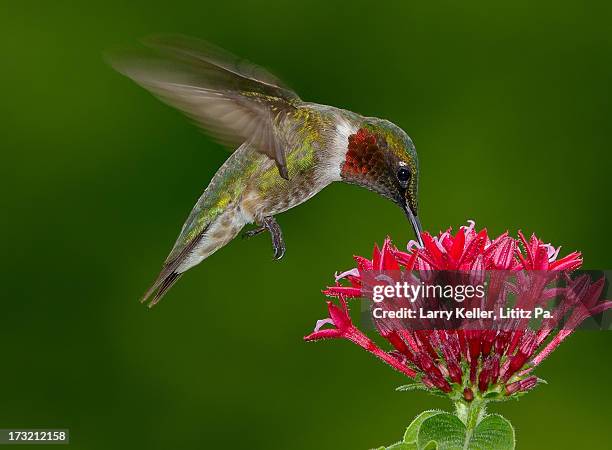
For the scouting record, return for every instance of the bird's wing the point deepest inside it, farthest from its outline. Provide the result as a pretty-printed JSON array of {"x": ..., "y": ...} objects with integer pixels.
[{"x": 231, "y": 99}]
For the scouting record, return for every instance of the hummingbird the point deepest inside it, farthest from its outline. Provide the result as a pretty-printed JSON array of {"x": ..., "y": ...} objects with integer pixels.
[{"x": 286, "y": 150}]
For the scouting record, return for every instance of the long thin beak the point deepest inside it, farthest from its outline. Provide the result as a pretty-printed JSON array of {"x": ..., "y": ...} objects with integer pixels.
[{"x": 416, "y": 224}]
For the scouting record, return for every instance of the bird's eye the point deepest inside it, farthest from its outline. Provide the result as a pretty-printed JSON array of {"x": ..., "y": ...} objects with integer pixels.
[{"x": 403, "y": 175}]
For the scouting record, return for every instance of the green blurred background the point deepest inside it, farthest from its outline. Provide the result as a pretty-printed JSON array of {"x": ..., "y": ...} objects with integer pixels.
[{"x": 510, "y": 110}]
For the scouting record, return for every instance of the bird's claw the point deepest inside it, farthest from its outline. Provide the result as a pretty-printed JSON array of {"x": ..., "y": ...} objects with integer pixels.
[
  {"x": 270, "y": 224},
  {"x": 278, "y": 244}
]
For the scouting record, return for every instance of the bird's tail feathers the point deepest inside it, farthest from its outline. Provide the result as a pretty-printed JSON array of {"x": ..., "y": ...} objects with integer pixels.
[
  {"x": 160, "y": 287},
  {"x": 170, "y": 273}
]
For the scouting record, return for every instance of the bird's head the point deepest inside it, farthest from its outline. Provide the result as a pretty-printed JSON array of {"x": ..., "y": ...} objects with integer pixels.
[{"x": 381, "y": 157}]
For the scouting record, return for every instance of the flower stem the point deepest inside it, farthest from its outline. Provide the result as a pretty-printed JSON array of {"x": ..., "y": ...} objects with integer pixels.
[{"x": 470, "y": 413}]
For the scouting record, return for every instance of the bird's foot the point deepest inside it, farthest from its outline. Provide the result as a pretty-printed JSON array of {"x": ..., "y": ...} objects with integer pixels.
[
  {"x": 254, "y": 232},
  {"x": 270, "y": 224}
]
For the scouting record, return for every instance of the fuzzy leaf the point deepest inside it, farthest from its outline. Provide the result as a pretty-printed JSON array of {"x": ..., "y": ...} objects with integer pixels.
[
  {"x": 445, "y": 431},
  {"x": 494, "y": 431},
  {"x": 442, "y": 431},
  {"x": 410, "y": 436}
]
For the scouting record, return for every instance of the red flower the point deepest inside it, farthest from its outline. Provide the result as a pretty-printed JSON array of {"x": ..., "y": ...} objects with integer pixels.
[
  {"x": 343, "y": 328},
  {"x": 466, "y": 362}
]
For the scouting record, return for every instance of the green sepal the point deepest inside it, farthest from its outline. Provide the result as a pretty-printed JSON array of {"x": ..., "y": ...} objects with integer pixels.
[
  {"x": 494, "y": 396},
  {"x": 412, "y": 387},
  {"x": 420, "y": 387}
]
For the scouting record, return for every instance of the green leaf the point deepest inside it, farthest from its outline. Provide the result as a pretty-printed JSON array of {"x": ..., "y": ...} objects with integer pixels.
[
  {"x": 446, "y": 431},
  {"x": 494, "y": 431},
  {"x": 442, "y": 431},
  {"x": 410, "y": 436}
]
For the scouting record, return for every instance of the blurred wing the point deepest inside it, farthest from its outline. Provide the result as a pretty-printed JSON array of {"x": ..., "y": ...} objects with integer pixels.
[{"x": 231, "y": 99}]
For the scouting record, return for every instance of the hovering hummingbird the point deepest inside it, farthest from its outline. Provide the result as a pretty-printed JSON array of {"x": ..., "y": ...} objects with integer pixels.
[{"x": 286, "y": 149}]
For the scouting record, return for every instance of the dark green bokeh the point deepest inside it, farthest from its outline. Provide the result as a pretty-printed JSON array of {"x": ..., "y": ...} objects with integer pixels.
[{"x": 509, "y": 107}]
